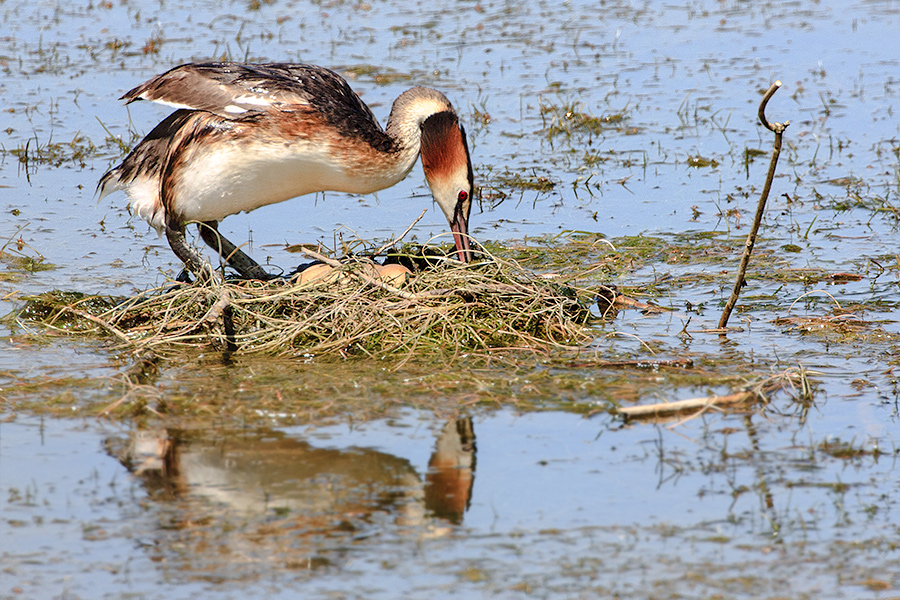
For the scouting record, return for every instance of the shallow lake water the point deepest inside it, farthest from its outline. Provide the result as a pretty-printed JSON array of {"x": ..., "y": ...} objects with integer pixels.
[{"x": 626, "y": 120}]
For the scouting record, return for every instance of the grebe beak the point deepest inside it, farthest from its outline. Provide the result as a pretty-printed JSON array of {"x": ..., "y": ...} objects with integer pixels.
[
  {"x": 460, "y": 228},
  {"x": 448, "y": 169}
]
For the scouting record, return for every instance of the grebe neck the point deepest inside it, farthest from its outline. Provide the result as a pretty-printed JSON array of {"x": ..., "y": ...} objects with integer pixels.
[{"x": 409, "y": 112}]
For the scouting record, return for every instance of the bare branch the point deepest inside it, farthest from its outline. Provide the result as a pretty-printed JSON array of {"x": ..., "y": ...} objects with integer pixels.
[{"x": 778, "y": 129}]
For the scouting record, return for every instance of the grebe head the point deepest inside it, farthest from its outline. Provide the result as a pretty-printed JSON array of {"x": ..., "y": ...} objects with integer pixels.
[{"x": 448, "y": 169}]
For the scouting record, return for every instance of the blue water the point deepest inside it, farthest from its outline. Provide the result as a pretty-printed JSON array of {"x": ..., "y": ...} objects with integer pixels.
[
  {"x": 549, "y": 490},
  {"x": 561, "y": 506}
]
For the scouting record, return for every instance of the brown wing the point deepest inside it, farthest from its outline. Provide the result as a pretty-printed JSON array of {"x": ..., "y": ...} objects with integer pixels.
[
  {"x": 231, "y": 89},
  {"x": 148, "y": 158}
]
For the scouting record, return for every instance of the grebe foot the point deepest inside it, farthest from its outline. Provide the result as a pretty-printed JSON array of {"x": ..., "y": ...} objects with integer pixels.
[{"x": 184, "y": 276}]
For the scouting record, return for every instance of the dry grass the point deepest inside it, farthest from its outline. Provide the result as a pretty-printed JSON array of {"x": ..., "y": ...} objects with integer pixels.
[{"x": 445, "y": 310}]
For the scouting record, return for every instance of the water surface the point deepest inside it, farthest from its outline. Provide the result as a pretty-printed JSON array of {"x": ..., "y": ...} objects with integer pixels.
[{"x": 616, "y": 104}]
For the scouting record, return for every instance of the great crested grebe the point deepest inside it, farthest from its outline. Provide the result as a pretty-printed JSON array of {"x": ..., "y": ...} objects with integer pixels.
[{"x": 248, "y": 135}]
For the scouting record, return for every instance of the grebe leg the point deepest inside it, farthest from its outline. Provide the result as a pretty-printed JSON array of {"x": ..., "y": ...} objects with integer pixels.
[
  {"x": 192, "y": 260},
  {"x": 234, "y": 256}
]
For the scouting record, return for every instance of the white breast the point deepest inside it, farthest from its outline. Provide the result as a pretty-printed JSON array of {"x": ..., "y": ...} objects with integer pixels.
[{"x": 229, "y": 178}]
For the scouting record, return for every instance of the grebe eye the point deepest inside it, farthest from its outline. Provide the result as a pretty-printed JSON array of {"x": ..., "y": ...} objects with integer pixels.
[{"x": 463, "y": 196}]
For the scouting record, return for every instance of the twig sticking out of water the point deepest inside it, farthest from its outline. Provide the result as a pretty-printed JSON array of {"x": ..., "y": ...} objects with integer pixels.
[{"x": 778, "y": 130}]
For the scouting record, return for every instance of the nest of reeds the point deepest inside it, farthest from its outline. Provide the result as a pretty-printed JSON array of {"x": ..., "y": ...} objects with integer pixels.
[{"x": 443, "y": 307}]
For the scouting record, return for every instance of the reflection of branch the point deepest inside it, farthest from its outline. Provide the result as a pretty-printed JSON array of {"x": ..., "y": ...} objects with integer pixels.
[
  {"x": 768, "y": 499},
  {"x": 778, "y": 130}
]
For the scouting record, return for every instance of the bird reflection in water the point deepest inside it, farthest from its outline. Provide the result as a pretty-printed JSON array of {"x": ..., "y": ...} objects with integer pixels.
[{"x": 271, "y": 483}]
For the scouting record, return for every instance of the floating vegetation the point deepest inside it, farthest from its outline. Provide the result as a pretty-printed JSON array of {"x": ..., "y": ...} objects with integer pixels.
[
  {"x": 54, "y": 154},
  {"x": 445, "y": 309},
  {"x": 568, "y": 119},
  {"x": 849, "y": 451},
  {"x": 845, "y": 326},
  {"x": 22, "y": 263},
  {"x": 520, "y": 181},
  {"x": 380, "y": 75},
  {"x": 699, "y": 162},
  {"x": 17, "y": 262}
]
